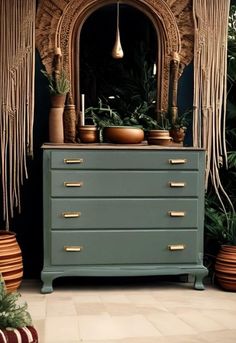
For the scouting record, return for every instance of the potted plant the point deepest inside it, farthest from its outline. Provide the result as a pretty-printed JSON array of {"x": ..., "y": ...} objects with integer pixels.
[
  {"x": 179, "y": 126},
  {"x": 15, "y": 320},
  {"x": 58, "y": 85},
  {"x": 220, "y": 228}
]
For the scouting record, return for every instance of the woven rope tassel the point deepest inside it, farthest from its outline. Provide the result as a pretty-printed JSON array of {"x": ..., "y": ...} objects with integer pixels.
[
  {"x": 17, "y": 63},
  {"x": 210, "y": 77}
]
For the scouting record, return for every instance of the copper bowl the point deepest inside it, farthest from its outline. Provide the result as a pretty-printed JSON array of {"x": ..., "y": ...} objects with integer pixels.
[
  {"x": 160, "y": 141},
  {"x": 88, "y": 134},
  {"x": 123, "y": 134}
]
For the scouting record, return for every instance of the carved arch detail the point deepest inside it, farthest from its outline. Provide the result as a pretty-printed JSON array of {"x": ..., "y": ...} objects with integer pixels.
[{"x": 57, "y": 22}]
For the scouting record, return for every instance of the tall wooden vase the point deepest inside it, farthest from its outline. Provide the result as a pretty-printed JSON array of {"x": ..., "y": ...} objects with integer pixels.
[
  {"x": 11, "y": 265},
  {"x": 56, "y": 128}
]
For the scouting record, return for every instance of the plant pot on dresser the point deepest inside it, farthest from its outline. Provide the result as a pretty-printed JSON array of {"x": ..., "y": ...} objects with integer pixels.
[{"x": 122, "y": 210}]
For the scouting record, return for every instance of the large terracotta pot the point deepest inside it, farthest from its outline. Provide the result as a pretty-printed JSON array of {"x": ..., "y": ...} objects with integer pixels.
[
  {"x": 225, "y": 267},
  {"x": 11, "y": 266},
  {"x": 24, "y": 335}
]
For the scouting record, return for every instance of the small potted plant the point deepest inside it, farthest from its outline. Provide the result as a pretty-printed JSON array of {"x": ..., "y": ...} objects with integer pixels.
[
  {"x": 59, "y": 86},
  {"x": 15, "y": 320},
  {"x": 179, "y": 126}
]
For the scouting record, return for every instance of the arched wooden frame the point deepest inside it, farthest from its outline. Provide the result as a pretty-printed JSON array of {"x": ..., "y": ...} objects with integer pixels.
[
  {"x": 59, "y": 22},
  {"x": 162, "y": 62}
]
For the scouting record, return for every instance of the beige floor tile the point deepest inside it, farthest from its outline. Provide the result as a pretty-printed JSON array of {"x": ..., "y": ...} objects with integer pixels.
[
  {"x": 225, "y": 318},
  {"x": 61, "y": 308},
  {"x": 105, "y": 327},
  {"x": 170, "y": 324},
  {"x": 199, "y": 320},
  {"x": 61, "y": 329}
]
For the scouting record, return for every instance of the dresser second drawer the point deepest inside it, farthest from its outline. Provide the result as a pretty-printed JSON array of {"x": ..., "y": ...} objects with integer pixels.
[
  {"x": 123, "y": 247},
  {"x": 124, "y": 183}
]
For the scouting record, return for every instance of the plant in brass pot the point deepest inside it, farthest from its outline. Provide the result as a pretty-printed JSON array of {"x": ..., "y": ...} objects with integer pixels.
[{"x": 179, "y": 127}]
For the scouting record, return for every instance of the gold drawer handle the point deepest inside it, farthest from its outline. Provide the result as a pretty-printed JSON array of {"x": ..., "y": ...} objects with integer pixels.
[
  {"x": 177, "y": 184},
  {"x": 73, "y": 161},
  {"x": 176, "y": 214},
  {"x": 178, "y": 161},
  {"x": 176, "y": 247},
  {"x": 73, "y": 184},
  {"x": 73, "y": 248},
  {"x": 71, "y": 214}
]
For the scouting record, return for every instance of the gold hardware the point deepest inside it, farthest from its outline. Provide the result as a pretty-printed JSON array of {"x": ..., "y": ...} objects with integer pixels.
[
  {"x": 178, "y": 161},
  {"x": 73, "y": 184},
  {"x": 73, "y": 161},
  {"x": 176, "y": 213},
  {"x": 175, "y": 247},
  {"x": 71, "y": 214},
  {"x": 177, "y": 184},
  {"x": 71, "y": 248}
]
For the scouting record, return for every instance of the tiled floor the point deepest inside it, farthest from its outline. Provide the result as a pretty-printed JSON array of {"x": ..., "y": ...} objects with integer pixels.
[{"x": 146, "y": 310}]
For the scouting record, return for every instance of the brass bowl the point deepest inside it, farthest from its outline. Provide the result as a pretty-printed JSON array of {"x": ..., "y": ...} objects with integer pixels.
[
  {"x": 123, "y": 134},
  {"x": 158, "y": 133},
  {"x": 160, "y": 141},
  {"x": 88, "y": 134}
]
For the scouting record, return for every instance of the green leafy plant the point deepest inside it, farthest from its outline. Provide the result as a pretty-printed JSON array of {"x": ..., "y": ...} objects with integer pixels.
[
  {"x": 182, "y": 120},
  {"x": 58, "y": 83},
  {"x": 103, "y": 115},
  {"x": 12, "y": 314},
  {"x": 220, "y": 226}
]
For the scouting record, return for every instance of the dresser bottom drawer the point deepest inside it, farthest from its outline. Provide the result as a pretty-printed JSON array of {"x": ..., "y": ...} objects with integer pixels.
[{"x": 123, "y": 247}]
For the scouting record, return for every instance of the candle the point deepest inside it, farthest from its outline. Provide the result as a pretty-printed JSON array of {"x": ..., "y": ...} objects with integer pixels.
[{"x": 82, "y": 110}]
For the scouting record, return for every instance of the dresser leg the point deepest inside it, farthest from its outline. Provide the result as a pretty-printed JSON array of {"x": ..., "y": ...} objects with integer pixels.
[
  {"x": 199, "y": 276},
  {"x": 47, "y": 283}
]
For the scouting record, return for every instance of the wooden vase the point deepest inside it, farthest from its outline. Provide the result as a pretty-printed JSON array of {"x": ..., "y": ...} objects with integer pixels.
[
  {"x": 11, "y": 265},
  {"x": 225, "y": 267},
  {"x": 27, "y": 334},
  {"x": 56, "y": 127}
]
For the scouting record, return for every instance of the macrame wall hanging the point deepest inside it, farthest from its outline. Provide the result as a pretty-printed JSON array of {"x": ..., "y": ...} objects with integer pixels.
[
  {"x": 210, "y": 81},
  {"x": 17, "y": 63}
]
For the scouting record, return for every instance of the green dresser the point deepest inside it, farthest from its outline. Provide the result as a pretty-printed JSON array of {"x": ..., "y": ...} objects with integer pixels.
[{"x": 118, "y": 210}]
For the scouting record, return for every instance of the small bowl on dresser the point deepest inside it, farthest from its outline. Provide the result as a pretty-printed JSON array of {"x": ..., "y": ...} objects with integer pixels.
[
  {"x": 88, "y": 134},
  {"x": 123, "y": 134},
  {"x": 160, "y": 140}
]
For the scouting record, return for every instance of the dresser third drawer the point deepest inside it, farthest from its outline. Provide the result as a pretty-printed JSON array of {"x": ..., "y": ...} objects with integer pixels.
[{"x": 124, "y": 213}]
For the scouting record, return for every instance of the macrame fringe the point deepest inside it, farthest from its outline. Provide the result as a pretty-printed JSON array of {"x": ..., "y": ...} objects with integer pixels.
[
  {"x": 17, "y": 66},
  {"x": 210, "y": 86}
]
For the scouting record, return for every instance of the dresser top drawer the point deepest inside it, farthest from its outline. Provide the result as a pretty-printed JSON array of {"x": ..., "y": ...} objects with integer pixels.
[{"x": 125, "y": 159}]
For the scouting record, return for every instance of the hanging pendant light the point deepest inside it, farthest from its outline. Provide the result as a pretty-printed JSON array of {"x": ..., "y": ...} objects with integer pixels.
[{"x": 117, "y": 51}]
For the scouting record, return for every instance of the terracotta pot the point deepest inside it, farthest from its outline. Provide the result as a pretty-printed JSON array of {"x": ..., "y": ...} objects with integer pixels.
[
  {"x": 225, "y": 267},
  {"x": 177, "y": 135},
  {"x": 11, "y": 265},
  {"x": 56, "y": 127},
  {"x": 123, "y": 134},
  {"x": 88, "y": 134},
  {"x": 58, "y": 100},
  {"x": 26, "y": 334}
]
